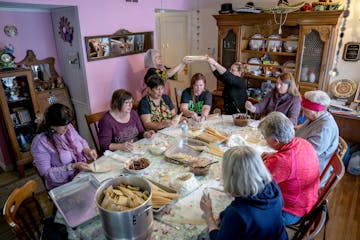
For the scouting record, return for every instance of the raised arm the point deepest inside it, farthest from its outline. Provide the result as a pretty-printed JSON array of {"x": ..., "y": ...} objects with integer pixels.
[
  {"x": 214, "y": 65},
  {"x": 177, "y": 68}
]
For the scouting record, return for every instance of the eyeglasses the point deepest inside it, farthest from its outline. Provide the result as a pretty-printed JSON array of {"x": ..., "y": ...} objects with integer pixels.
[{"x": 129, "y": 102}]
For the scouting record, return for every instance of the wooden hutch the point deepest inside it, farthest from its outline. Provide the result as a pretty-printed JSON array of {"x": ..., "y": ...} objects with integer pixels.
[
  {"x": 310, "y": 60},
  {"x": 25, "y": 93}
]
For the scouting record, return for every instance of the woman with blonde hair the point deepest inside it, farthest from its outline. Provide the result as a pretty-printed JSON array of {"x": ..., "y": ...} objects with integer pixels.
[
  {"x": 284, "y": 98},
  {"x": 255, "y": 212}
]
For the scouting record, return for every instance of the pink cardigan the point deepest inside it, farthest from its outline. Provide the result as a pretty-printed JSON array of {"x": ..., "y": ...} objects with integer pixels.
[{"x": 295, "y": 168}]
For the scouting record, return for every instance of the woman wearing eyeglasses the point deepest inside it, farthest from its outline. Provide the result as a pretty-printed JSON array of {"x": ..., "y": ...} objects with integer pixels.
[
  {"x": 59, "y": 152},
  {"x": 156, "y": 109},
  {"x": 121, "y": 126}
]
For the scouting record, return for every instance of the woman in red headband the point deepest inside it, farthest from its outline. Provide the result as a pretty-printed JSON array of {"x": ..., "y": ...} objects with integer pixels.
[{"x": 320, "y": 128}]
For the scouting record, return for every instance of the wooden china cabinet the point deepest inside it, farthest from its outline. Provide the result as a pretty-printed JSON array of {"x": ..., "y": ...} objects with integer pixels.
[
  {"x": 25, "y": 93},
  {"x": 305, "y": 46},
  {"x": 18, "y": 108}
]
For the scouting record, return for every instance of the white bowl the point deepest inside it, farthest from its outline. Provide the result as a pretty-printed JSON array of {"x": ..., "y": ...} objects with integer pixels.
[
  {"x": 132, "y": 165},
  {"x": 184, "y": 183},
  {"x": 157, "y": 149}
]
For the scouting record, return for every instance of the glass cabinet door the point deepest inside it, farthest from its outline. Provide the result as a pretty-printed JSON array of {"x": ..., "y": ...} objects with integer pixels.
[
  {"x": 315, "y": 44},
  {"x": 311, "y": 58},
  {"x": 229, "y": 49}
]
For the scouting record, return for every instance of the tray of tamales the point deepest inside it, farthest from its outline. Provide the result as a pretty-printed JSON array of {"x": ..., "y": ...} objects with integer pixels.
[
  {"x": 211, "y": 135},
  {"x": 161, "y": 195},
  {"x": 184, "y": 151}
]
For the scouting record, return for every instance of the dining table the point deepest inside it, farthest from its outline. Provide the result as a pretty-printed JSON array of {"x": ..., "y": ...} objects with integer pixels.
[{"x": 183, "y": 218}]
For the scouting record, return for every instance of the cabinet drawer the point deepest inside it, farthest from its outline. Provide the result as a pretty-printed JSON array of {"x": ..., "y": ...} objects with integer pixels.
[{"x": 48, "y": 97}]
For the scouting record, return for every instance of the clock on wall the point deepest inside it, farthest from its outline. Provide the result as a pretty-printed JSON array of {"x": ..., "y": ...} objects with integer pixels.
[{"x": 7, "y": 59}]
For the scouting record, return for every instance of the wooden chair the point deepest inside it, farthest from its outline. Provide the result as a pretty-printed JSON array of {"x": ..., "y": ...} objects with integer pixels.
[
  {"x": 23, "y": 212},
  {"x": 178, "y": 93},
  {"x": 92, "y": 121},
  {"x": 311, "y": 224}
]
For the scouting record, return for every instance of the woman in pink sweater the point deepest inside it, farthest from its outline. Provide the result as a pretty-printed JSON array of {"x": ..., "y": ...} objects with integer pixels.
[{"x": 294, "y": 167}]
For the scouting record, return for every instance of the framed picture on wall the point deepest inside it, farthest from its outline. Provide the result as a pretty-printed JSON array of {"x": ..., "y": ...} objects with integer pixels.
[
  {"x": 109, "y": 46},
  {"x": 351, "y": 51}
]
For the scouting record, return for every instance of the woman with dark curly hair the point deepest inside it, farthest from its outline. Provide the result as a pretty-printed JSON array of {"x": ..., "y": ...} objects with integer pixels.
[{"x": 58, "y": 150}]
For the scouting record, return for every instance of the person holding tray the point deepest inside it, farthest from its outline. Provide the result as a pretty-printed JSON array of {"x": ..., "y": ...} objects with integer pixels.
[
  {"x": 58, "y": 150},
  {"x": 255, "y": 212},
  {"x": 196, "y": 100},
  {"x": 234, "y": 92},
  {"x": 121, "y": 126},
  {"x": 154, "y": 64}
]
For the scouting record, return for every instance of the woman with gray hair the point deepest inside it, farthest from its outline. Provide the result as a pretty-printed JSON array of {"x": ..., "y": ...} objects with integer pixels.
[
  {"x": 255, "y": 212},
  {"x": 320, "y": 128},
  {"x": 295, "y": 166},
  {"x": 154, "y": 64}
]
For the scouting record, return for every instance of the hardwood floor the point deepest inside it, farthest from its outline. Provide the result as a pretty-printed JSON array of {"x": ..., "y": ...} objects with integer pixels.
[{"x": 344, "y": 211}]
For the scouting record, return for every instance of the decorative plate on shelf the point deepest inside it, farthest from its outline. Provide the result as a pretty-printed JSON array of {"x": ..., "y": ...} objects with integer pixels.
[
  {"x": 256, "y": 44},
  {"x": 291, "y": 45},
  {"x": 343, "y": 88},
  {"x": 290, "y": 63},
  {"x": 253, "y": 69},
  {"x": 274, "y": 45}
]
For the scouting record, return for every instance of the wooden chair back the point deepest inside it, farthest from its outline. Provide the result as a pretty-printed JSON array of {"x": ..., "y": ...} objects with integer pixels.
[
  {"x": 178, "y": 93},
  {"x": 312, "y": 223},
  {"x": 23, "y": 212},
  {"x": 92, "y": 121}
]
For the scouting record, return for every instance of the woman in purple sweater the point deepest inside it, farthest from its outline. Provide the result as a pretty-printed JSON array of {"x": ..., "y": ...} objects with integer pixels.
[
  {"x": 284, "y": 98},
  {"x": 58, "y": 150},
  {"x": 121, "y": 126}
]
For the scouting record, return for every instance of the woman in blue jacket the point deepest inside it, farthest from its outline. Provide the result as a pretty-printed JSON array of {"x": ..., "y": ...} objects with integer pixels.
[{"x": 255, "y": 212}]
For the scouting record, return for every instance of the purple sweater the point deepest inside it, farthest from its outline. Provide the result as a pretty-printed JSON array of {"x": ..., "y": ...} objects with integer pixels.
[
  {"x": 112, "y": 131},
  {"x": 287, "y": 104},
  {"x": 51, "y": 162}
]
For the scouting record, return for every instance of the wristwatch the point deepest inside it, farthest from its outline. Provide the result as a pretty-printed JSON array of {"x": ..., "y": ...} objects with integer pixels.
[{"x": 69, "y": 167}]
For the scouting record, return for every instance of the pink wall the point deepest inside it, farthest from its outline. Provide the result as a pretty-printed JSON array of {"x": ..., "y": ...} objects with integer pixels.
[
  {"x": 106, "y": 17},
  {"x": 35, "y": 32}
]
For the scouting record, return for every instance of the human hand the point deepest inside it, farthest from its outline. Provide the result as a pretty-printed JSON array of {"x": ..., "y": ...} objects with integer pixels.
[
  {"x": 202, "y": 119},
  {"x": 206, "y": 206},
  {"x": 195, "y": 117},
  {"x": 249, "y": 106},
  {"x": 266, "y": 155},
  {"x": 186, "y": 60},
  {"x": 127, "y": 146},
  {"x": 91, "y": 153},
  {"x": 81, "y": 166},
  {"x": 149, "y": 134}
]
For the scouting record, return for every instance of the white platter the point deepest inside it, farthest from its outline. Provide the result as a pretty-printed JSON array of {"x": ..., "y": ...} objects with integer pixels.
[
  {"x": 256, "y": 44},
  {"x": 291, "y": 46},
  {"x": 274, "y": 44},
  {"x": 290, "y": 63},
  {"x": 255, "y": 70}
]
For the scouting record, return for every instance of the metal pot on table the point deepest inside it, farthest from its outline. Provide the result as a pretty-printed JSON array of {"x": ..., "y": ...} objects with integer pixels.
[{"x": 136, "y": 223}]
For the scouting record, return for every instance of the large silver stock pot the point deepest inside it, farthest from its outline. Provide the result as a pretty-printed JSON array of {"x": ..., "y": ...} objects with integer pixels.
[{"x": 136, "y": 223}]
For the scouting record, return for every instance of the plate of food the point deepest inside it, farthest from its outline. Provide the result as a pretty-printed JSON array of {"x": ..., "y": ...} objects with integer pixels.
[
  {"x": 137, "y": 166},
  {"x": 274, "y": 45},
  {"x": 161, "y": 195},
  {"x": 256, "y": 44},
  {"x": 211, "y": 135},
  {"x": 291, "y": 45}
]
